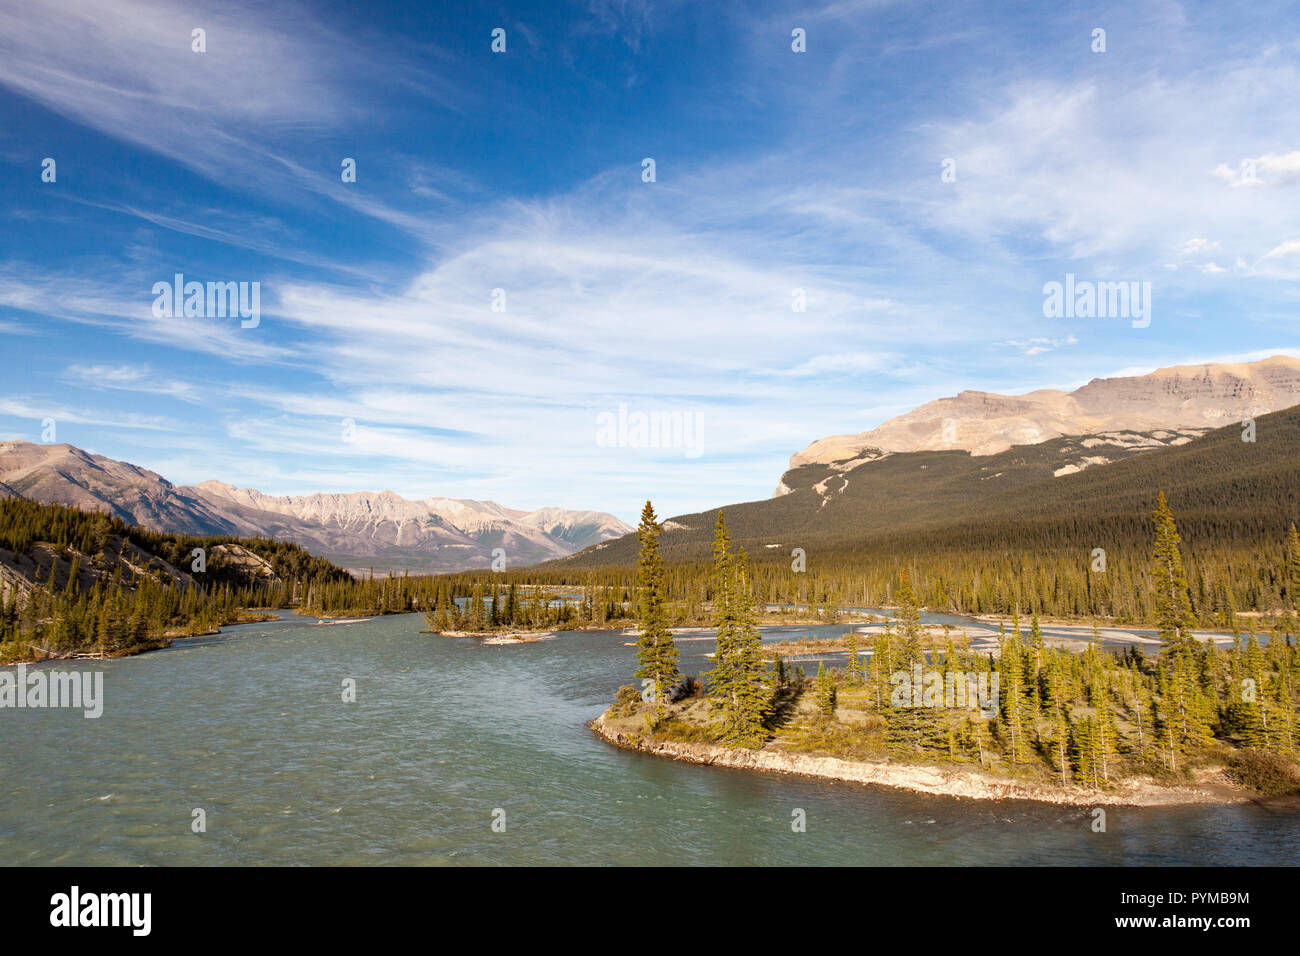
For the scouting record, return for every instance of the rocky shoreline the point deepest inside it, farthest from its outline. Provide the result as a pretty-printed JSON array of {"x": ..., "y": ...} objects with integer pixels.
[{"x": 955, "y": 782}]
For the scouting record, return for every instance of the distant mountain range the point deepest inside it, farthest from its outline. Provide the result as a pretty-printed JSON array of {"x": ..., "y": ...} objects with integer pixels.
[
  {"x": 975, "y": 460},
  {"x": 1177, "y": 430},
  {"x": 358, "y": 530},
  {"x": 984, "y": 423}
]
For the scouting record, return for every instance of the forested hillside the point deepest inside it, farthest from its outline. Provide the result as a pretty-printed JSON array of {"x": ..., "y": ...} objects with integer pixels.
[
  {"x": 83, "y": 582},
  {"x": 988, "y": 534}
]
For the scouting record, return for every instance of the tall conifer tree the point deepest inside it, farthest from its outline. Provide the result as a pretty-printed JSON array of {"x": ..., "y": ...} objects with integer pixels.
[
  {"x": 656, "y": 652},
  {"x": 1173, "y": 610},
  {"x": 737, "y": 683},
  {"x": 909, "y": 651}
]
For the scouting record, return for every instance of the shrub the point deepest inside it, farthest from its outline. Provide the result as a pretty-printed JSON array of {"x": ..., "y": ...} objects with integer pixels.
[
  {"x": 627, "y": 700},
  {"x": 1265, "y": 771}
]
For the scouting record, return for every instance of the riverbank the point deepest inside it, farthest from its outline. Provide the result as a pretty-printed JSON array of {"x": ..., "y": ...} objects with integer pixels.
[
  {"x": 938, "y": 781},
  {"x": 169, "y": 637},
  {"x": 1084, "y": 628},
  {"x": 44, "y": 655}
]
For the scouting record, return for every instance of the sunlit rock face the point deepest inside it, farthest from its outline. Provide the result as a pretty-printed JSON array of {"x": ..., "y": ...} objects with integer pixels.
[{"x": 1183, "y": 397}]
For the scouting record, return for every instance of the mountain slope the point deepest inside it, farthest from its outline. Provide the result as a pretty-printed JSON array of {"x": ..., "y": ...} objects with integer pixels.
[
  {"x": 579, "y": 529},
  {"x": 984, "y": 423},
  {"x": 1220, "y": 486},
  {"x": 75, "y": 549},
  {"x": 381, "y": 529}
]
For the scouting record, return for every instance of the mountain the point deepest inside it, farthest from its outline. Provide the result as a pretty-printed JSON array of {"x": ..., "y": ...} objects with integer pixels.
[
  {"x": 1222, "y": 488},
  {"x": 361, "y": 529},
  {"x": 579, "y": 529},
  {"x": 984, "y": 423}
]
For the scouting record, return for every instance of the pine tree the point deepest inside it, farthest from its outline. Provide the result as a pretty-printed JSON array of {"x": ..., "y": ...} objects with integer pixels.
[
  {"x": 1293, "y": 569},
  {"x": 853, "y": 669},
  {"x": 1141, "y": 707},
  {"x": 1012, "y": 690},
  {"x": 1104, "y": 737},
  {"x": 1284, "y": 727},
  {"x": 1086, "y": 751},
  {"x": 825, "y": 687},
  {"x": 977, "y": 732},
  {"x": 737, "y": 683},
  {"x": 882, "y": 664},
  {"x": 476, "y": 616},
  {"x": 1173, "y": 610},
  {"x": 720, "y": 677},
  {"x": 1061, "y": 727},
  {"x": 752, "y": 695},
  {"x": 909, "y": 651},
  {"x": 1058, "y": 698},
  {"x": 656, "y": 651},
  {"x": 1036, "y": 642}
]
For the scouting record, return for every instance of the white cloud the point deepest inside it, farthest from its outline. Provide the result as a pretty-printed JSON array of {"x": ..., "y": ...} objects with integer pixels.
[
  {"x": 236, "y": 113},
  {"x": 1112, "y": 166},
  {"x": 1037, "y": 346},
  {"x": 133, "y": 378},
  {"x": 1289, "y": 248},
  {"x": 671, "y": 296},
  {"x": 37, "y": 411},
  {"x": 1194, "y": 246}
]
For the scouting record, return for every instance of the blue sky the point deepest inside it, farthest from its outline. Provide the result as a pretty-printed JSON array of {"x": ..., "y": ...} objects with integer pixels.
[{"x": 522, "y": 171}]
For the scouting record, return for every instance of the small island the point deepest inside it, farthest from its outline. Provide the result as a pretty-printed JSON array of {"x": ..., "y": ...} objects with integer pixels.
[{"x": 917, "y": 708}]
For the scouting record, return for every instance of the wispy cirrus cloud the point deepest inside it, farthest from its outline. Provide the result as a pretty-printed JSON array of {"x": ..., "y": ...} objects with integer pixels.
[
  {"x": 38, "y": 411},
  {"x": 785, "y": 180}
]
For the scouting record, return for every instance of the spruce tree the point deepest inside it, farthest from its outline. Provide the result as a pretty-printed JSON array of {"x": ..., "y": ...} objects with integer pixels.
[
  {"x": 751, "y": 697},
  {"x": 737, "y": 684},
  {"x": 1059, "y": 699},
  {"x": 1035, "y": 678},
  {"x": 853, "y": 668},
  {"x": 1012, "y": 691},
  {"x": 909, "y": 651},
  {"x": 720, "y": 677},
  {"x": 1173, "y": 610},
  {"x": 1293, "y": 569},
  {"x": 825, "y": 687},
  {"x": 476, "y": 617},
  {"x": 882, "y": 665},
  {"x": 656, "y": 651},
  {"x": 1086, "y": 751}
]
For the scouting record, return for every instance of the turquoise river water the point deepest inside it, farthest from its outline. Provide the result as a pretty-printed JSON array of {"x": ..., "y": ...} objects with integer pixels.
[{"x": 251, "y": 727}]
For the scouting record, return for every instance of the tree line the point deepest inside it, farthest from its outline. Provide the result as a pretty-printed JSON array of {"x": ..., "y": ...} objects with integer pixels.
[{"x": 1089, "y": 717}]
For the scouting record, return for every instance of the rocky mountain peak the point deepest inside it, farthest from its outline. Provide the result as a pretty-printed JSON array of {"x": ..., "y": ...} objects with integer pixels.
[{"x": 985, "y": 423}]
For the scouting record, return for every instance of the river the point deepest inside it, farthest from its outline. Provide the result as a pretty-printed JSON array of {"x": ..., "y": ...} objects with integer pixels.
[{"x": 447, "y": 735}]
